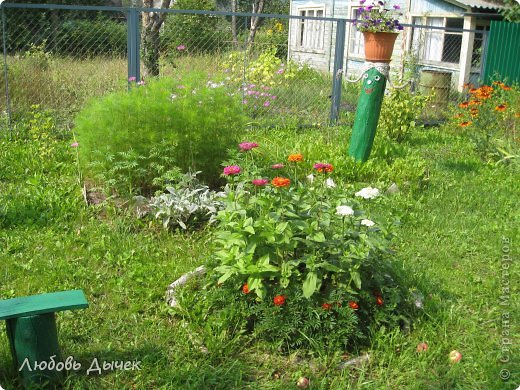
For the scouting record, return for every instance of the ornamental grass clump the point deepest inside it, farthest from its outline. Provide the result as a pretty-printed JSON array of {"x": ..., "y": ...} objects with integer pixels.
[
  {"x": 303, "y": 257},
  {"x": 377, "y": 16}
]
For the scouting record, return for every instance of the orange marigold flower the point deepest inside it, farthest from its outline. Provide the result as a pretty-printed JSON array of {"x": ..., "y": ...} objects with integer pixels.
[
  {"x": 474, "y": 112},
  {"x": 475, "y": 103},
  {"x": 468, "y": 86},
  {"x": 279, "y": 300},
  {"x": 326, "y": 306},
  {"x": 353, "y": 305},
  {"x": 296, "y": 157},
  {"x": 486, "y": 88},
  {"x": 281, "y": 182},
  {"x": 457, "y": 116},
  {"x": 245, "y": 289},
  {"x": 465, "y": 123},
  {"x": 505, "y": 87},
  {"x": 379, "y": 300},
  {"x": 464, "y": 104},
  {"x": 500, "y": 107},
  {"x": 473, "y": 90},
  {"x": 498, "y": 83}
]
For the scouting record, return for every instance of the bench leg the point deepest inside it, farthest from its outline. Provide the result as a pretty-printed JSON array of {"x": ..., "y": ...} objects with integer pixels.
[{"x": 35, "y": 339}]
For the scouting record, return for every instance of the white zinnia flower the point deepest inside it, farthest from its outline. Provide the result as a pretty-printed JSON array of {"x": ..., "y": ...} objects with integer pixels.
[
  {"x": 330, "y": 183},
  {"x": 344, "y": 211},
  {"x": 310, "y": 178},
  {"x": 367, "y": 222},
  {"x": 368, "y": 193}
]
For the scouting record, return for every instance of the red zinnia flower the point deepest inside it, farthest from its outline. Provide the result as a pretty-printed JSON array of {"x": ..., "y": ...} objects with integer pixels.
[
  {"x": 281, "y": 182},
  {"x": 379, "y": 300},
  {"x": 231, "y": 170},
  {"x": 296, "y": 157},
  {"x": 245, "y": 146},
  {"x": 323, "y": 167},
  {"x": 279, "y": 300},
  {"x": 260, "y": 182},
  {"x": 245, "y": 289},
  {"x": 353, "y": 305},
  {"x": 326, "y": 306}
]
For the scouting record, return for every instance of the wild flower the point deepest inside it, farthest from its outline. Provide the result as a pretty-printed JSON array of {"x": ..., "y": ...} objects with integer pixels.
[
  {"x": 368, "y": 193},
  {"x": 279, "y": 300},
  {"x": 295, "y": 157},
  {"x": 132, "y": 79},
  {"x": 367, "y": 222},
  {"x": 376, "y": 17},
  {"x": 74, "y": 144},
  {"x": 245, "y": 146},
  {"x": 323, "y": 167},
  {"x": 260, "y": 182},
  {"x": 326, "y": 306},
  {"x": 344, "y": 211},
  {"x": 281, "y": 182},
  {"x": 277, "y": 166},
  {"x": 245, "y": 289},
  {"x": 500, "y": 107},
  {"x": 231, "y": 170},
  {"x": 181, "y": 47},
  {"x": 353, "y": 305}
]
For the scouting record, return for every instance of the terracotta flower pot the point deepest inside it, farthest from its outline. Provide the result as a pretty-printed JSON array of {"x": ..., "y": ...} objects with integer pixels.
[{"x": 379, "y": 46}]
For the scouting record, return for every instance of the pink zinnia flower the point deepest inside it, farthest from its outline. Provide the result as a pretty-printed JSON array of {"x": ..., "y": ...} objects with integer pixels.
[
  {"x": 244, "y": 146},
  {"x": 231, "y": 170},
  {"x": 74, "y": 144},
  {"x": 267, "y": 103},
  {"x": 277, "y": 166},
  {"x": 260, "y": 182},
  {"x": 181, "y": 47},
  {"x": 131, "y": 79}
]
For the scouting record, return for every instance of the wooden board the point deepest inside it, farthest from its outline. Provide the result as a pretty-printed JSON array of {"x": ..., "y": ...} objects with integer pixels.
[{"x": 43, "y": 303}]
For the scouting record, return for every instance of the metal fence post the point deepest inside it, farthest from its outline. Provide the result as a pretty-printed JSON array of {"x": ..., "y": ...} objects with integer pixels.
[
  {"x": 337, "y": 76},
  {"x": 133, "y": 40},
  {"x": 6, "y": 73}
]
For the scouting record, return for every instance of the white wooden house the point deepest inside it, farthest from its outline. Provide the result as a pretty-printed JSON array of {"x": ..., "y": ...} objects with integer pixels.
[{"x": 457, "y": 52}]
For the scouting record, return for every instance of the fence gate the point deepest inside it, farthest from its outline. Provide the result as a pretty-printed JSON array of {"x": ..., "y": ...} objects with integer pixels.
[{"x": 503, "y": 53}]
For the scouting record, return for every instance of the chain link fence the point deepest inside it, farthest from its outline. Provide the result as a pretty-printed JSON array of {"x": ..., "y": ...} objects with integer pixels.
[{"x": 281, "y": 67}]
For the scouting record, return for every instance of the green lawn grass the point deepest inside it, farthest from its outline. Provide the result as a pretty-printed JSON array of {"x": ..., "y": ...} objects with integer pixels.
[{"x": 450, "y": 245}]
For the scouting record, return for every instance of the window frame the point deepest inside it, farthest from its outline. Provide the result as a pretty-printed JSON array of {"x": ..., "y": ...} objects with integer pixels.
[
  {"x": 355, "y": 38},
  {"x": 304, "y": 25},
  {"x": 425, "y": 34}
]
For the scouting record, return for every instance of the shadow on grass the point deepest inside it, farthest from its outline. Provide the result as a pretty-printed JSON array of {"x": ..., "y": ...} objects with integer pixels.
[{"x": 461, "y": 166}]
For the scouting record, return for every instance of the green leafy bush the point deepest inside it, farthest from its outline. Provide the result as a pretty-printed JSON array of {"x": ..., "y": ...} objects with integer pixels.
[
  {"x": 128, "y": 141},
  {"x": 399, "y": 114},
  {"x": 312, "y": 269}
]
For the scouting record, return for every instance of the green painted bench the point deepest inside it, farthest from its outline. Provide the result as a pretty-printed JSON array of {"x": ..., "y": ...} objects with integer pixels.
[{"x": 32, "y": 332}]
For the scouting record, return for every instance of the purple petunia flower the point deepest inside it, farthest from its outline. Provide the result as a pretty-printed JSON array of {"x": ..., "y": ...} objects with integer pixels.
[{"x": 397, "y": 6}]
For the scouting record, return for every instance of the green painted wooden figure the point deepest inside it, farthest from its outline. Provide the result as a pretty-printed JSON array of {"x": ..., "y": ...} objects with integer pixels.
[{"x": 368, "y": 110}]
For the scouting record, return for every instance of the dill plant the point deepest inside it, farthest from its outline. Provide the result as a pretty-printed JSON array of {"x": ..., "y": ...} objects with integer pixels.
[{"x": 133, "y": 142}]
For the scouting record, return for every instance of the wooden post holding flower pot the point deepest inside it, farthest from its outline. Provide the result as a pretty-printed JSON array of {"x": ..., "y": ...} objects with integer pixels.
[{"x": 380, "y": 29}]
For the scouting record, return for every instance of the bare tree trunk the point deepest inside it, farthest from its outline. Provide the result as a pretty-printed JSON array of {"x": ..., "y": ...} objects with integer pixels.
[
  {"x": 258, "y": 7},
  {"x": 234, "y": 23},
  {"x": 151, "y": 25}
]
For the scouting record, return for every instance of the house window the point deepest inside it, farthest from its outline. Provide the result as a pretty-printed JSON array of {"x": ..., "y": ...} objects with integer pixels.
[
  {"x": 438, "y": 45},
  {"x": 311, "y": 32},
  {"x": 357, "y": 43}
]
